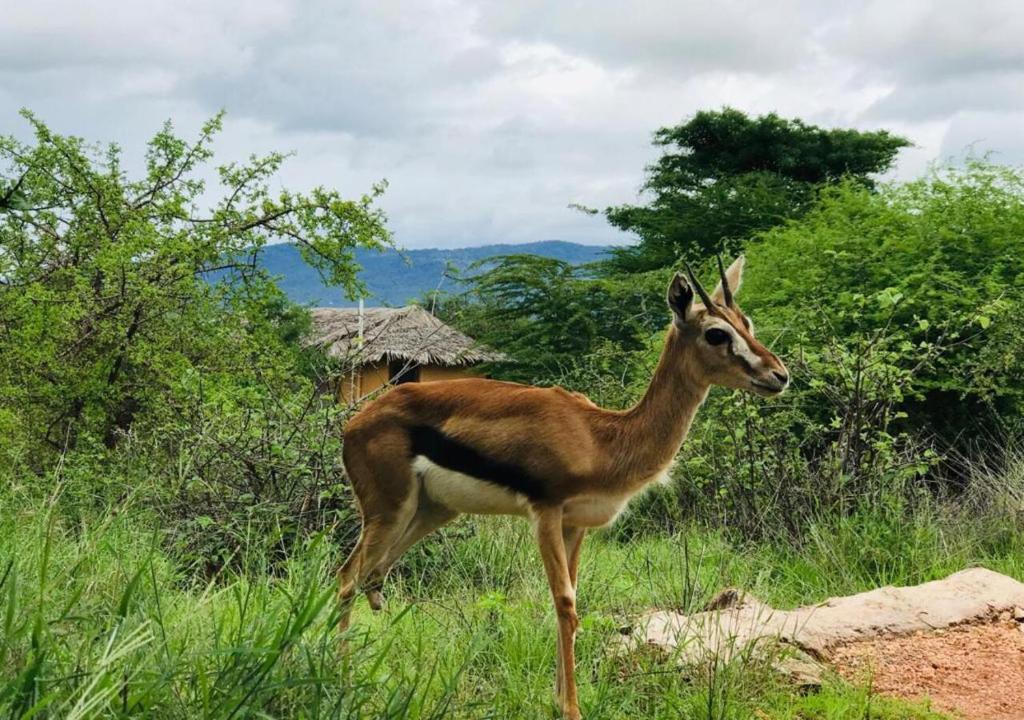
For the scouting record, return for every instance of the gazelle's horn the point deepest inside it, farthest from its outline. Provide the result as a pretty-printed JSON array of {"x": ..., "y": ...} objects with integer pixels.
[
  {"x": 726, "y": 292},
  {"x": 705, "y": 298}
]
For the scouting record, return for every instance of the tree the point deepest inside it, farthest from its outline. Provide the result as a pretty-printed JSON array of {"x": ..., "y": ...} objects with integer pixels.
[
  {"x": 113, "y": 290},
  {"x": 725, "y": 176},
  {"x": 547, "y": 314}
]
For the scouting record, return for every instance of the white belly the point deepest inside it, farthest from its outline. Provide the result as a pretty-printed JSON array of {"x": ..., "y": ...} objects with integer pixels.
[
  {"x": 601, "y": 510},
  {"x": 594, "y": 511},
  {"x": 467, "y": 494}
]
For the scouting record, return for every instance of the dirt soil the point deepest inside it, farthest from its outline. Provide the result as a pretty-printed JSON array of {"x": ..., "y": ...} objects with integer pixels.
[
  {"x": 958, "y": 641},
  {"x": 974, "y": 671}
]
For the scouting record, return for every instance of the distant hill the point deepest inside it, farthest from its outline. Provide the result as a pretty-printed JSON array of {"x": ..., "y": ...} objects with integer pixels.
[{"x": 395, "y": 280}]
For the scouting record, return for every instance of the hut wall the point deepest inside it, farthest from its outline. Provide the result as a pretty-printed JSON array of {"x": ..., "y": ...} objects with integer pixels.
[
  {"x": 362, "y": 381},
  {"x": 348, "y": 387},
  {"x": 373, "y": 377}
]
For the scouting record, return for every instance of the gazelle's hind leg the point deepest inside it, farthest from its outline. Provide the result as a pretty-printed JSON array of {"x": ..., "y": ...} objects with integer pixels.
[
  {"x": 374, "y": 542},
  {"x": 429, "y": 517},
  {"x": 388, "y": 493}
]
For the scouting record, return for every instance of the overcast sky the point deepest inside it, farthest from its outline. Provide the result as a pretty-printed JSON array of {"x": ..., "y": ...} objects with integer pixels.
[{"x": 489, "y": 118}]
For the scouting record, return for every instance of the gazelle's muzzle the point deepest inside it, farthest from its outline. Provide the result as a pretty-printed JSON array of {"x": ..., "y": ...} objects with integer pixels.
[{"x": 771, "y": 381}]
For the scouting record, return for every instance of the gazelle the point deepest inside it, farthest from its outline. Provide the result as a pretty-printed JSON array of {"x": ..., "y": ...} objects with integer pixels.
[{"x": 422, "y": 454}]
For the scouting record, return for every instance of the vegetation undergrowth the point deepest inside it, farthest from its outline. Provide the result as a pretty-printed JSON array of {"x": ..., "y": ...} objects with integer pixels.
[{"x": 97, "y": 620}]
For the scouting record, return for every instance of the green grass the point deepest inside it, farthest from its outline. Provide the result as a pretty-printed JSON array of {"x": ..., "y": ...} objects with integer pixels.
[{"x": 97, "y": 621}]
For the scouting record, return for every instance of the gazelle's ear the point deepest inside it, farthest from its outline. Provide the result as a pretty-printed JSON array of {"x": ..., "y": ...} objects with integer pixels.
[
  {"x": 734, "y": 276},
  {"x": 680, "y": 298}
]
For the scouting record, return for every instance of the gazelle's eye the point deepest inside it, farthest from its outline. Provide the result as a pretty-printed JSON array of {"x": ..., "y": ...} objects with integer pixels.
[{"x": 715, "y": 336}]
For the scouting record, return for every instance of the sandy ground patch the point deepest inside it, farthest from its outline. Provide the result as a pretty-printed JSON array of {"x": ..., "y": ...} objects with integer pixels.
[{"x": 976, "y": 671}]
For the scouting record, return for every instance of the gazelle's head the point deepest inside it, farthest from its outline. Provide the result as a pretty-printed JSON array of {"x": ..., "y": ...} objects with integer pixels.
[{"x": 720, "y": 337}]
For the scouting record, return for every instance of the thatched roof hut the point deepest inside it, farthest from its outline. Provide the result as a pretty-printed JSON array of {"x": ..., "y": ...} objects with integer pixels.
[{"x": 406, "y": 334}]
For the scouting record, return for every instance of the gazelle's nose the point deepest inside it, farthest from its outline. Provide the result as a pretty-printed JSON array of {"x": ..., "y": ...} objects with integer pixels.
[{"x": 781, "y": 377}]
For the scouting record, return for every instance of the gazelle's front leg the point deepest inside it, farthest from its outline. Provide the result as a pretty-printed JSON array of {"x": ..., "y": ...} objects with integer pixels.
[
  {"x": 572, "y": 538},
  {"x": 556, "y": 565}
]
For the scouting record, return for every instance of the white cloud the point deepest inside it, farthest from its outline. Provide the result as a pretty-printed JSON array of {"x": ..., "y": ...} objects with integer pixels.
[
  {"x": 979, "y": 133},
  {"x": 184, "y": 34},
  {"x": 934, "y": 40},
  {"x": 666, "y": 35},
  {"x": 488, "y": 118}
]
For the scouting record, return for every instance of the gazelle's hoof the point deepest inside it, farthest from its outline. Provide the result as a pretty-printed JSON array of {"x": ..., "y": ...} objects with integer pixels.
[{"x": 376, "y": 600}]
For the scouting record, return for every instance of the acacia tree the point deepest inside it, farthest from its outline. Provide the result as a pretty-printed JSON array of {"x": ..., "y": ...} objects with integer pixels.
[
  {"x": 547, "y": 314},
  {"x": 113, "y": 288},
  {"x": 724, "y": 176}
]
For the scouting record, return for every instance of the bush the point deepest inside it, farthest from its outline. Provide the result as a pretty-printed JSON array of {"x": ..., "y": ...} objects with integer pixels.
[
  {"x": 938, "y": 262},
  {"x": 242, "y": 474},
  {"x": 144, "y": 353}
]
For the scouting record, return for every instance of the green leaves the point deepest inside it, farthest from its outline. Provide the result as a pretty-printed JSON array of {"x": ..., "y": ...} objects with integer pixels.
[
  {"x": 888, "y": 297},
  {"x": 724, "y": 177},
  {"x": 549, "y": 316},
  {"x": 113, "y": 288},
  {"x": 932, "y": 263}
]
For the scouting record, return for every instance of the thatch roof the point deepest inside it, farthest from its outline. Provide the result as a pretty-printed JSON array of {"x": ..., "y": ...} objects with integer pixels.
[{"x": 409, "y": 334}]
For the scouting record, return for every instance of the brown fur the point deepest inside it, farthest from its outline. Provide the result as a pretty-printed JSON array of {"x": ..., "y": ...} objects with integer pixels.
[{"x": 577, "y": 449}]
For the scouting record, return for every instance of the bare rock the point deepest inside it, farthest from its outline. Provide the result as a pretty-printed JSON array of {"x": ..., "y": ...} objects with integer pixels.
[{"x": 735, "y": 621}]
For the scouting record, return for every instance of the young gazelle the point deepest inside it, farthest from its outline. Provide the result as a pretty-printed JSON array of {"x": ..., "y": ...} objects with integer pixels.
[{"x": 423, "y": 453}]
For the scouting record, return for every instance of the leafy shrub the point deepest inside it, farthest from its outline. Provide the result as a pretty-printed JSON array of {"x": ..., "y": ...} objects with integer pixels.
[
  {"x": 243, "y": 471},
  {"x": 938, "y": 262},
  {"x": 143, "y": 351},
  {"x": 826, "y": 449}
]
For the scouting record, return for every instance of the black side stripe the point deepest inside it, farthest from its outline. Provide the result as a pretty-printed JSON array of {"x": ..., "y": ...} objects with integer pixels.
[{"x": 453, "y": 454}]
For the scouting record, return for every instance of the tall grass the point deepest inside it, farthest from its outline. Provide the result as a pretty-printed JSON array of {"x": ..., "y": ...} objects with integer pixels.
[{"x": 99, "y": 621}]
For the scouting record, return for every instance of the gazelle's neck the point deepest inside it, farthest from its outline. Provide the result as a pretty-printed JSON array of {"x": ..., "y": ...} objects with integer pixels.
[{"x": 654, "y": 429}]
